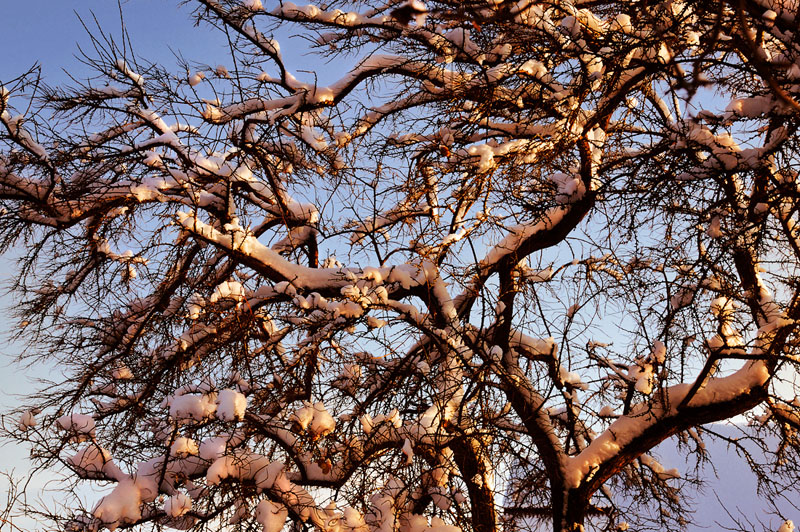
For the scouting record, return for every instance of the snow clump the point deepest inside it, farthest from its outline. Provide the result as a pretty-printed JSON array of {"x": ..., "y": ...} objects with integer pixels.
[
  {"x": 27, "y": 419},
  {"x": 231, "y": 405},
  {"x": 192, "y": 406},
  {"x": 178, "y": 505},
  {"x": 183, "y": 447},
  {"x": 271, "y": 516},
  {"x": 90, "y": 459},
  {"x": 314, "y": 418},
  {"x": 121, "y": 506},
  {"x": 253, "y": 5},
  {"x": 80, "y": 425}
]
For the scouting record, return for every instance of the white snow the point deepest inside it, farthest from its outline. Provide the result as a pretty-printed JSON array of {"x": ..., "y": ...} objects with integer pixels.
[
  {"x": 196, "y": 78},
  {"x": 314, "y": 418},
  {"x": 642, "y": 373},
  {"x": 183, "y": 447},
  {"x": 222, "y": 71},
  {"x": 408, "y": 451},
  {"x": 254, "y": 5},
  {"x": 123, "y": 67},
  {"x": 27, "y": 420},
  {"x": 195, "y": 305},
  {"x": 366, "y": 423},
  {"x": 518, "y": 234},
  {"x": 659, "y": 352},
  {"x": 227, "y": 466},
  {"x": 90, "y": 459},
  {"x": 178, "y": 505},
  {"x": 121, "y": 506},
  {"x": 231, "y": 405},
  {"x": 228, "y": 290},
  {"x": 569, "y": 188},
  {"x": 606, "y": 411},
  {"x": 354, "y": 520},
  {"x": 271, "y": 516},
  {"x": 622, "y": 22},
  {"x": 714, "y": 230},
  {"x": 122, "y": 373},
  {"x": 213, "y": 448},
  {"x": 80, "y": 425},
  {"x": 609, "y": 443},
  {"x": 192, "y": 406}
]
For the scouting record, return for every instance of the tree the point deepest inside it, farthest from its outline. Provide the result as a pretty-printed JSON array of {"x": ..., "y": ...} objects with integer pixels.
[{"x": 565, "y": 234}]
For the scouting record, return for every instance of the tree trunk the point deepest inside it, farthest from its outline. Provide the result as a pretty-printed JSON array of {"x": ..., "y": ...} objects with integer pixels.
[{"x": 569, "y": 514}]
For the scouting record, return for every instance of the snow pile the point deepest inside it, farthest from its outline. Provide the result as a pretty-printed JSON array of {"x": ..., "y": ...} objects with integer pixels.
[
  {"x": 192, "y": 406},
  {"x": 348, "y": 378},
  {"x": 123, "y": 67},
  {"x": 408, "y": 451},
  {"x": 419, "y": 523},
  {"x": 606, "y": 411},
  {"x": 723, "y": 307},
  {"x": 659, "y": 353},
  {"x": 196, "y": 78},
  {"x": 531, "y": 275},
  {"x": 366, "y": 423},
  {"x": 183, "y": 447},
  {"x": 728, "y": 340},
  {"x": 265, "y": 474},
  {"x": 27, "y": 420},
  {"x": 121, "y": 506},
  {"x": 714, "y": 230},
  {"x": 622, "y": 23},
  {"x": 122, "y": 373},
  {"x": 314, "y": 418},
  {"x": 152, "y": 474},
  {"x": 178, "y": 505},
  {"x": 569, "y": 188},
  {"x": 222, "y": 71},
  {"x": 253, "y": 5},
  {"x": 392, "y": 418},
  {"x": 231, "y": 405},
  {"x": 227, "y": 466},
  {"x": 572, "y": 378},
  {"x": 91, "y": 459},
  {"x": 658, "y": 469},
  {"x": 195, "y": 305},
  {"x": 152, "y": 159},
  {"x": 642, "y": 373},
  {"x": 432, "y": 421},
  {"x": 214, "y": 447},
  {"x": 80, "y": 425},
  {"x": 271, "y": 516},
  {"x": 228, "y": 290},
  {"x": 381, "y": 517},
  {"x": 752, "y": 107},
  {"x": 242, "y": 464},
  {"x": 375, "y": 323}
]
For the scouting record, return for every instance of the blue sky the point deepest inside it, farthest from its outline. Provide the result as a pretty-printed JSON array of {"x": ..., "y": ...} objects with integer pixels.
[{"x": 49, "y": 33}]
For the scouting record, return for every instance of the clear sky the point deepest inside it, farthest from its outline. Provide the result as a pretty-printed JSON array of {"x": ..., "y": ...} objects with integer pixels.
[{"x": 49, "y": 33}]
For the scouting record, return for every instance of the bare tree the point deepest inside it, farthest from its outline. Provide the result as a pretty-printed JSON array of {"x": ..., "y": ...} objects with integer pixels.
[{"x": 468, "y": 286}]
